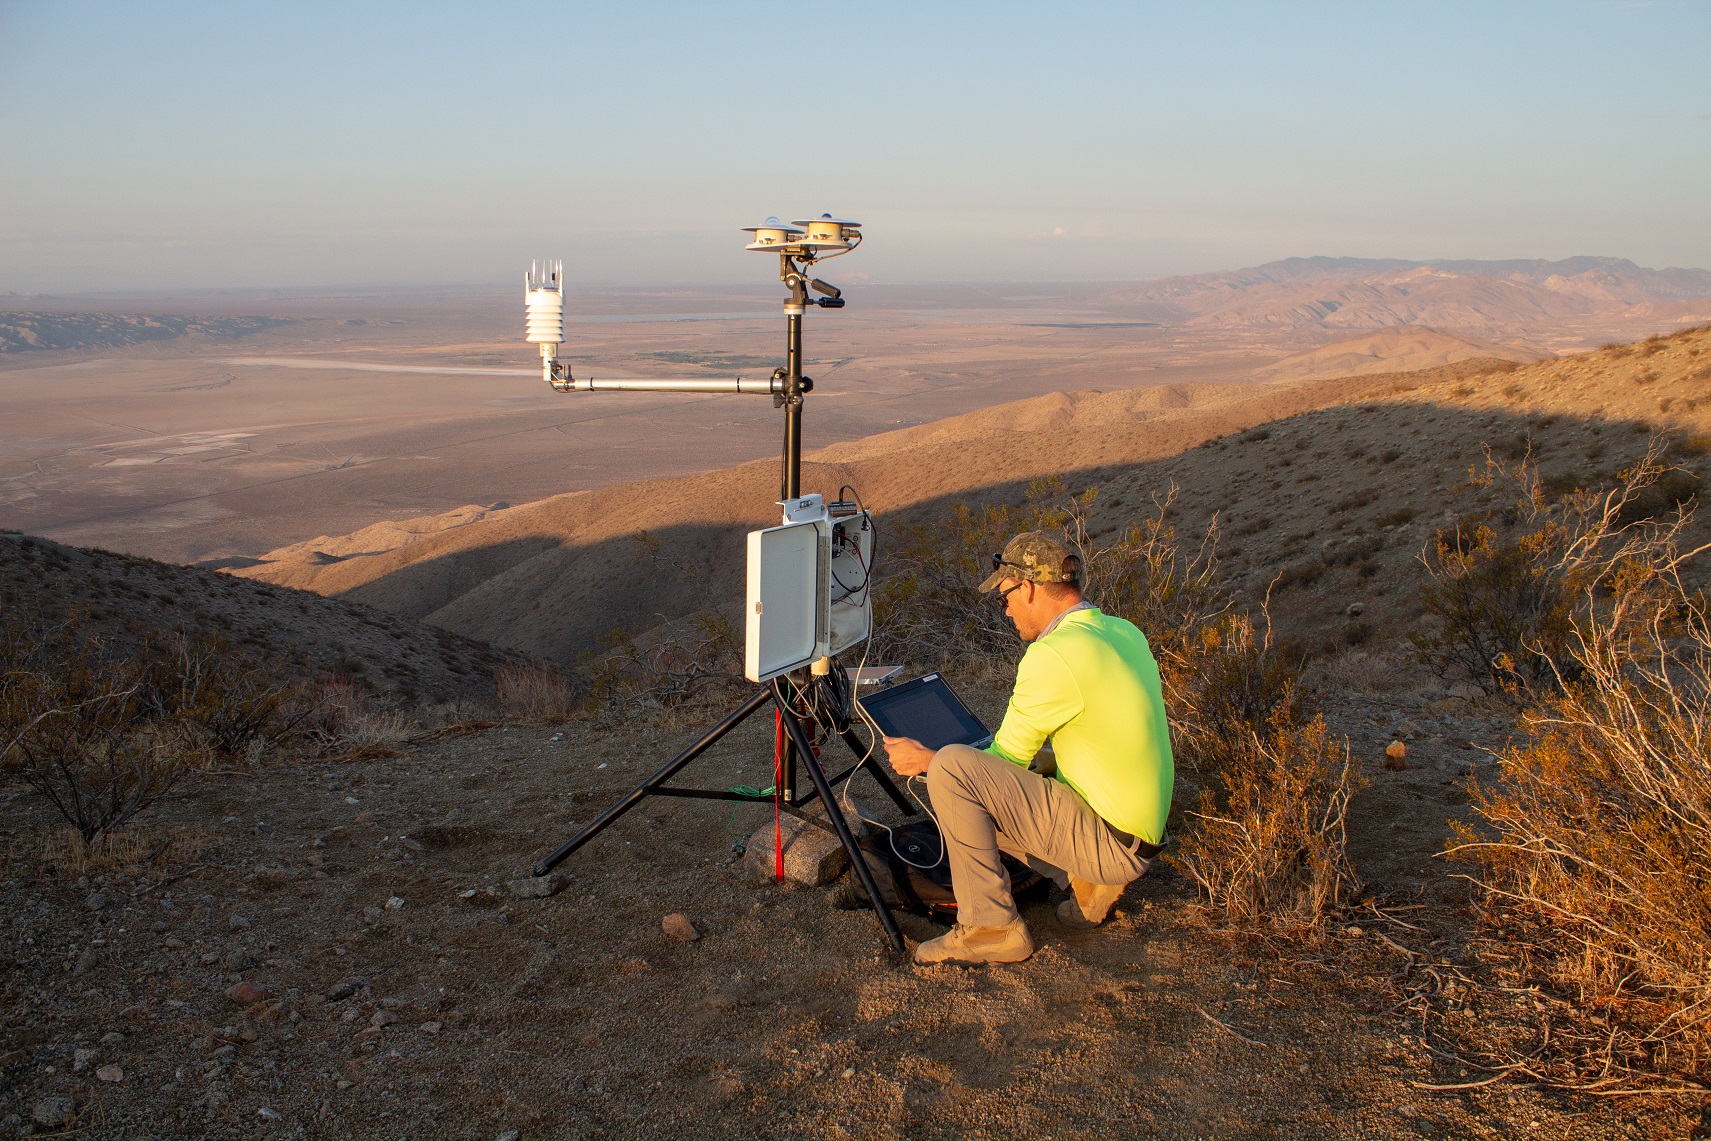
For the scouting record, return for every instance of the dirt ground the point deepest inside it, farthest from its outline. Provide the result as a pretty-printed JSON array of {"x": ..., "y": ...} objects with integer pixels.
[{"x": 400, "y": 990}]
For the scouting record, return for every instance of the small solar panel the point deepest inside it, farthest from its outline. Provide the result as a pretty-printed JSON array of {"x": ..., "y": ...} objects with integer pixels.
[{"x": 928, "y": 710}]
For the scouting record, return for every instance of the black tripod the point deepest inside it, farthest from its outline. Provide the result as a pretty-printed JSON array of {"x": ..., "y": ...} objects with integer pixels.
[{"x": 826, "y": 704}]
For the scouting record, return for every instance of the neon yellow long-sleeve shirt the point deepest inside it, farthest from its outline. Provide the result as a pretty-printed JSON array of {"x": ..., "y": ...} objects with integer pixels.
[{"x": 1091, "y": 687}]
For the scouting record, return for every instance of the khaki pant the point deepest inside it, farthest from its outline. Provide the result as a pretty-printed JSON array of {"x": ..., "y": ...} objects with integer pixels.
[{"x": 987, "y": 805}]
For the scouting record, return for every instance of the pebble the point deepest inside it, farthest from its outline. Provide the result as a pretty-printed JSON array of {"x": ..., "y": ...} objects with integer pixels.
[
  {"x": 52, "y": 1112},
  {"x": 849, "y": 1072},
  {"x": 677, "y": 925},
  {"x": 237, "y": 959},
  {"x": 470, "y": 894},
  {"x": 345, "y": 1083},
  {"x": 97, "y": 900},
  {"x": 239, "y": 923},
  {"x": 510, "y": 1135},
  {"x": 110, "y": 1074},
  {"x": 372, "y": 913},
  {"x": 246, "y": 993},
  {"x": 1395, "y": 755},
  {"x": 382, "y": 1018},
  {"x": 430, "y": 1027},
  {"x": 396, "y": 903},
  {"x": 1352, "y": 931},
  {"x": 80, "y": 1060},
  {"x": 344, "y": 988},
  {"x": 267, "y": 1114}
]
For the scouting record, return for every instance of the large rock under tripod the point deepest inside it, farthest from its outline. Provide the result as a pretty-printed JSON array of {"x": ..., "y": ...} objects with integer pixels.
[{"x": 813, "y": 856}]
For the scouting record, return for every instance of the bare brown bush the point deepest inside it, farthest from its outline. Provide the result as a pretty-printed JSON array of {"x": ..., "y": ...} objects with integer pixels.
[
  {"x": 666, "y": 668},
  {"x": 1501, "y": 590},
  {"x": 1268, "y": 845},
  {"x": 88, "y": 731}
]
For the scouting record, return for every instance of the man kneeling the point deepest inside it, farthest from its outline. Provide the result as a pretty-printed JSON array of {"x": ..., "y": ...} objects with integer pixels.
[{"x": 1077, "y": 782}]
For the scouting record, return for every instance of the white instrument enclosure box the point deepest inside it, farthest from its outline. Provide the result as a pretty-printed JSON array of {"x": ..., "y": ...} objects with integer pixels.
[{"x": 809, "y": 595}]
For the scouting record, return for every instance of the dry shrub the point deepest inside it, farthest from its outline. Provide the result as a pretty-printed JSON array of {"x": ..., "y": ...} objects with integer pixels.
[
  {"x": 680, "y": 663},
  {"x": 94, "y": 733},
  {"x": 1593, "y": 848},
  {"x": 338, "y": 718},
  {"x": 1501, "y": 590},
  {"x": 536, "y": 693},
  {"x": 1268, "y": 844}
]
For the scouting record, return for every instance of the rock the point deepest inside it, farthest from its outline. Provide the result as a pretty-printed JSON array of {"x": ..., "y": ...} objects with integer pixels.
[
  {"x": 373, "y": 914},
  {"x": 396, "y": 903},
  {"x": 510, "y": 1135},
  {"x": 382, "y": 1018},
  {"x": 1355, "y": 609},
  {"x": 237, "y": 959},
  {"x": 239, "y": 923},
  {"x": 52, "y": 1112},
  {"x": 173, "y": 943},
  {"x": 80, "y": 1060},
  {"x": 1396, "y": 750},
  {"x": 110, "y": 1074},
  {"x": 344, "y": 988},
  {"x": 112, "y": 1037},
  {"x": 1352, "y": 931},
  {"x": 1408, "y": 730},
  {"x": 246, "y": 993},
  {"x": 849, "y": 1072},
  {"x": 97, "y": 900},
  {"x": 677, "y": 925},
  {"x": 540, "y": 887},
  {"x": 267, "y": 1114},
  {"x": 87, "y": 961},
  {"x": 467, "y": 894},
  {"x": 430, "y": 1028},
  {"x": 813, "y": 856}
]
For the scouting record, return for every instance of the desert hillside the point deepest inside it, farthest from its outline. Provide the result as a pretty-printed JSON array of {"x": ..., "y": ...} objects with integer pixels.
[
  {"x": 1330, "y": 478},
  {"x": 123, "y": 600}
]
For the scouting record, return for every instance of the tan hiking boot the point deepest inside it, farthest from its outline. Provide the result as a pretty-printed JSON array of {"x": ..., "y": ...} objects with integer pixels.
[
  {"x": 1088, "y": 903},
  {"x": 971, "y": 946}
]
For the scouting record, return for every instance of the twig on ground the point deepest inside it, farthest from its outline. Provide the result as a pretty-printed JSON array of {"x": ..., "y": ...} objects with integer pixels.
[{"x": 1230, "y": 1030}]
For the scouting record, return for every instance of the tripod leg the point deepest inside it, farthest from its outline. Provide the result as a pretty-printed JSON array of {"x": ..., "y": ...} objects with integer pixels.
[
  {"x": 641, "y": 791},
  {"x": 836, "y": 816}
]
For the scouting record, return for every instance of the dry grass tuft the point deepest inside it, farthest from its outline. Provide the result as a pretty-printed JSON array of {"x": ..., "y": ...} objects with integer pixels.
[
  {"x": 62, "y": 852},
  {"x": 536, "y": 692}
]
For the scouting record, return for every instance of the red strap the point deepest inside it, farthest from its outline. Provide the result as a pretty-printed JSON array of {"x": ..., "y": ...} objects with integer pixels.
[{"x": 777, "y": 796}]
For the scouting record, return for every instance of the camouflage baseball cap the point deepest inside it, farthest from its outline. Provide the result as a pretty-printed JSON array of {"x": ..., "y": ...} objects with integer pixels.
[{"x": 1034, "y": 556}]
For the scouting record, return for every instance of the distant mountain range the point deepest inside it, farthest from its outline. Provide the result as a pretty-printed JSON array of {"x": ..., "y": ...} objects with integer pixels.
[{"x": 1502, "y": 297}]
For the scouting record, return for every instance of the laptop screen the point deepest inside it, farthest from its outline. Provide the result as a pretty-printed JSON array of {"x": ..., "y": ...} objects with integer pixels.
[{"x": 927, "y": 710}]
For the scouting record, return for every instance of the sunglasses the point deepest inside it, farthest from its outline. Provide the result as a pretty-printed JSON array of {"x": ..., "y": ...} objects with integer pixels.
[{"x": 1002, "y": 598}]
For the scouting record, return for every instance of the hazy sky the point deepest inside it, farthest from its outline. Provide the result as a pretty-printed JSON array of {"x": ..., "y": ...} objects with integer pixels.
[{"x": 170, "y": 144}]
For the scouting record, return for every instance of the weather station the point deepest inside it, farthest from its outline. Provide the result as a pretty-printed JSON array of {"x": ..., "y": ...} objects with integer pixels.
[{"x": 808, "y": 596}]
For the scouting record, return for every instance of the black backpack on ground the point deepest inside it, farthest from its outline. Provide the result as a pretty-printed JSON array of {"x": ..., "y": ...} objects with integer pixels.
[{"x": 914, "y": 875}]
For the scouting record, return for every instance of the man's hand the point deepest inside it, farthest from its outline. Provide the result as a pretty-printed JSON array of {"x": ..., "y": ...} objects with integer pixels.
[{"x": 908, "y": 756}]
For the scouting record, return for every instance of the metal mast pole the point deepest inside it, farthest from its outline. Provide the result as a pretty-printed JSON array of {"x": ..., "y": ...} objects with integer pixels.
[{"x": 791, "y": 483}]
